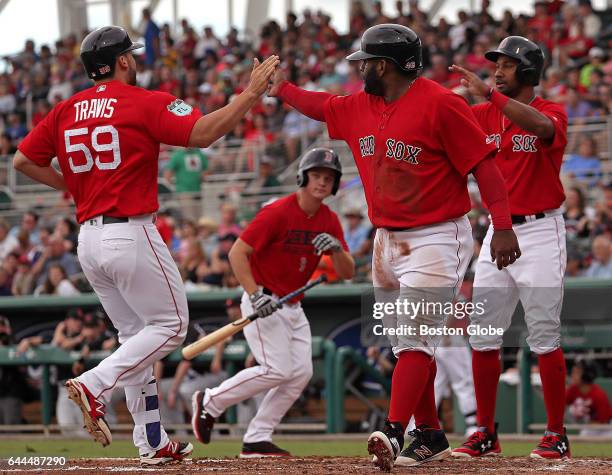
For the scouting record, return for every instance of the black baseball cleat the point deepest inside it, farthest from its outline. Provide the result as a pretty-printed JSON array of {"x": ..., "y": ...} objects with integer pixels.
[
  {"x": 255, "y": 450},
  {"x": 202, "y": 422},
  {"x": 386, "y": 445},
  {"x": 552, "y": 446},
  {"x": 481, "y": 443},
  {"x": 427, "y": 445}
]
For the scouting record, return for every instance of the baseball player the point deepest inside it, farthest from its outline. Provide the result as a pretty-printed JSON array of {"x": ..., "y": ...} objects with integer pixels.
[
  {"x": 106, "y": 140},
  {"x": 531, "y": 134},
  {"x": 276, "y": 254},
  {"x": 414, "y": 144}
]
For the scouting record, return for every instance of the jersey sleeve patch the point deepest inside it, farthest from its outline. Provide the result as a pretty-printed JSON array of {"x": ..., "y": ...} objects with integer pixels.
[{"x": 179, "y": 108}]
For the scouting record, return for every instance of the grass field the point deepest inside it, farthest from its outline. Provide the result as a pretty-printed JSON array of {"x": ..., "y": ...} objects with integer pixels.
[{"x": 72, "y": 449}]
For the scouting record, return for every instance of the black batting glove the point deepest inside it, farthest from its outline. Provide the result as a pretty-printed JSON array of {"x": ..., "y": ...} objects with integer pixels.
[
  {"x": 326, "y": 242},
  {"x": 264, "y": 305}
]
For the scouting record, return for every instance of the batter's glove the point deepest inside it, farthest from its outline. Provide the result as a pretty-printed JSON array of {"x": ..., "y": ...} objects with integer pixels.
[
  {"x": 264, "y": 305},
  {"x": 326, "y": 242}
]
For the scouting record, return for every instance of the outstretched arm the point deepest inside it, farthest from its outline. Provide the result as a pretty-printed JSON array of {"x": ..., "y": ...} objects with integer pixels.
[
  {"x": 215, "y": 125},
  {"x": 523, "y": 115},
  {"x": 311, "y": 104}
]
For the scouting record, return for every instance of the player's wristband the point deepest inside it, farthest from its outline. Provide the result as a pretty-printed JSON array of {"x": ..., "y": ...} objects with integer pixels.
[{"x": 497, "y": 99}]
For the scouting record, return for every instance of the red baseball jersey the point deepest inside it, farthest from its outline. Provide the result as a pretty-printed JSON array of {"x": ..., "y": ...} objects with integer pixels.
[
  {"x": 281, "y": 236},
  {"x": 593, "y": 406},
  {"x": 413, "y": 154},
  {"x": 529, "y": 165},
  {"x": 106, "y": 139}
]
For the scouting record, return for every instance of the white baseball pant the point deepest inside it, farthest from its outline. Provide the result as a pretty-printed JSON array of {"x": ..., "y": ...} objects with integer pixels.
[
  {"x": 282, "y": 345},
  {"x": 137, "y": 281}
]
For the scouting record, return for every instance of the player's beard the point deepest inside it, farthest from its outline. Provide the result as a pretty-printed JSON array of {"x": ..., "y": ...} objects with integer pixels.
[
  {"x": 372, "y": 83},
  {"x": 131, "y": 76}
]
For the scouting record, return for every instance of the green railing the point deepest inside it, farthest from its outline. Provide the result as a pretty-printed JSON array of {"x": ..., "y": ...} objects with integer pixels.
[{"x": 235, "y": 352}]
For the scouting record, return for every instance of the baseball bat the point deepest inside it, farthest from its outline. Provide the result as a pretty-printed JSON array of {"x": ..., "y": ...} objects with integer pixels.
[{"x": 194, "y": 349}]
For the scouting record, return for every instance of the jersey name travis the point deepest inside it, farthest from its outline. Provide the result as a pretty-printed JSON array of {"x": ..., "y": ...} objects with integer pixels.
[{"x": 94, "y": 109}]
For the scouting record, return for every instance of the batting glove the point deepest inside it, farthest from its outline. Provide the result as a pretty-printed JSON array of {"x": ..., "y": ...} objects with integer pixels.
[
  {"x": 264, "y": 305},
  {"x": 326, "y": 242}
]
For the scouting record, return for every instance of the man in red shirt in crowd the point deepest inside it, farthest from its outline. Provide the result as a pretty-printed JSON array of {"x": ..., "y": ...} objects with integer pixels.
[
  {"x": 106, "y": 140},
  {"x": 587, "y": 401},
  {"x": 275, "y": 254},
  {"x": 414, "y": 143},
  {"x": 530, "y": 134}
]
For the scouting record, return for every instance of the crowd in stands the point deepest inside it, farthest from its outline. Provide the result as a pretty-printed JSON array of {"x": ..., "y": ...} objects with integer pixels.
[{"x": 39, "y": 254}]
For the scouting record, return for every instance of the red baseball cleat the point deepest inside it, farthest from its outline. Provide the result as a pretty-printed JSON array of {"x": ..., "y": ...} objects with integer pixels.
[
  {"x": 552, "y": 446},
  {"x": 479, "y": 444},
  {"x": 171, "y": 452},
  {"x": 93, "y": 411}
]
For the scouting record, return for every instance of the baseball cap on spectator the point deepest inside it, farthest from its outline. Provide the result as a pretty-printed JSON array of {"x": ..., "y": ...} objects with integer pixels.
[
  {"x": 4, "y": 321},
  {"x": 233, "y": 302},
  {"x": 205, "y": 88},
  {"x": 597, "y": 52},
  {"x": 90, "y": 320},
  {"x": 267, "y": 159},
  {"x": 207, "y": 223},
  {"x": 76, "y": 313}
]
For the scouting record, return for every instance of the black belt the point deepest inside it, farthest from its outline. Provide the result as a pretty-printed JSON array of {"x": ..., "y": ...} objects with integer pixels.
[
  {"x": 109, "y": 220},
  {"x": 522, "y": 219},
  {"x": 397, "y": 230}
]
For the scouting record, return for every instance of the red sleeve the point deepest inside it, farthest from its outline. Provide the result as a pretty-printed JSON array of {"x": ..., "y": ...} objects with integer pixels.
[
  {"x": 39, "y": 145},
  {"x": 265, "y": 228},
  {"x": 339, "y": 112},
  {"x": 493, "y": 190},
  {"x": 170, "y": 120},
  {"x": 459, "y": 134},
  {"x": 311, "y": 104},
  {"x": 556, "y": 113}
]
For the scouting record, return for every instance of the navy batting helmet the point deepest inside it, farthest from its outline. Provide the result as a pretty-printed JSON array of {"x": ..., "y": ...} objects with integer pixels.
[
  {"x": 101, "y": 47},
  {"x": 529, "y": 55},
  {"x": 319, "y": 158},
  {"x": 390, "y": 41}
]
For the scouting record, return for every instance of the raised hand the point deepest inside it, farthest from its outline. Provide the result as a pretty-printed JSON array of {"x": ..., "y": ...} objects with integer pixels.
[
  {"x": 474, "y": 85},
  {"x": 277, "y": 79},
  {"x": 261, "y": 74}
]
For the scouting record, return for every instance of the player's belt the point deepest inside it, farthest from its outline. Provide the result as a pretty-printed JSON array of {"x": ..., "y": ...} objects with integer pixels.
[
  {"x": 522, "y": 219},
  {"x": 113, "y": 220}
]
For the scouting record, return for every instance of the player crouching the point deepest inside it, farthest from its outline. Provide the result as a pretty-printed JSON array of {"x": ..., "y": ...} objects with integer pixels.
[{"x": 277, "y": 253}]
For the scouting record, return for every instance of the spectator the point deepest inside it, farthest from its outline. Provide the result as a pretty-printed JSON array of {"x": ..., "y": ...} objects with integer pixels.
[
  {"x": 5, "y": 283},
  {"x": 207, "y": 234},
  {"x": 57, "y": 283},
  {"x": 585, "y": 165},
  {"x": 296, "y": 126},
  {"x": 15, "y": 129},
  {"x": 66, "y": 228},
  {"x": 7, "y": 100},
  {"x": 265, "y": 177},
  {"x": 588, "y": 402},
  {"x": 592, "y": 23},
  {"x": 55, "y": 253},
  {"x": 187, "y": 166},
  {"x": 597, "y": 57},
  {"x": 6, "y": 145},
  {"x": 576, "y": 221},
  {"x": 29, "y": 224},
  {"x": 151, "y": 37},
  {"x": 8, "y": 242},
  {"x": 23, "y": 280},
  {"x": 193, "y": 264},
  {"x": 601, "y": 267},
  {"x": 228, "y": 224},
  {"x": 12, "y": 382},
  {"x": 356, "y": 233},
  {"x": 576, "y": 107},
  {"x": 603, "y": 212}
]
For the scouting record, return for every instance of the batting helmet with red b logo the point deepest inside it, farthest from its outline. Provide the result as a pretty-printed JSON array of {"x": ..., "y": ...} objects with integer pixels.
[{"x": 319, "y": 158}]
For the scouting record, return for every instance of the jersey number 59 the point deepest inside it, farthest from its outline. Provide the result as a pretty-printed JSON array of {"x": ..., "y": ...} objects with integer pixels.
[{"x": 112, "y": 146}]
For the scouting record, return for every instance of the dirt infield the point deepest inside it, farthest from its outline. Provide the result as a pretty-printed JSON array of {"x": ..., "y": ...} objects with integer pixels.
[{"x": 326, "y": 465}]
